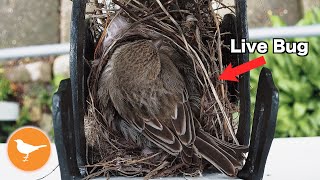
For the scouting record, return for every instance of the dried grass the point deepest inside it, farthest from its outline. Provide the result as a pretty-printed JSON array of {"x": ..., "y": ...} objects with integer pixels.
[{"x": 194, "y": 30}]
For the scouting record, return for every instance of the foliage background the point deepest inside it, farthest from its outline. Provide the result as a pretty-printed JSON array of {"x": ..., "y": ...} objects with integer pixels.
[{"x": 298, "y": 81}]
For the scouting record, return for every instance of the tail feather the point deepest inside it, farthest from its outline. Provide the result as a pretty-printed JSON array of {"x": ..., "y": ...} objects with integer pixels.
[
  {"x": 215, "y": 157},
  {"x": 232, "y": 150},
  {"x": 226, "y": 157},
  {"x": 41, "y": 146}
]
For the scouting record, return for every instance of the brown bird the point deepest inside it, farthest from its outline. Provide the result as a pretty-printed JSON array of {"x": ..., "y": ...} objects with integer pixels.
[{"x": 154, "y": 89}]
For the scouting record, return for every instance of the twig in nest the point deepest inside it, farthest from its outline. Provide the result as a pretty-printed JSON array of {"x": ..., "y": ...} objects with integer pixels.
[
  {"x": 216, "y": 97},
  {"x": 155, "y": 171},
  {"x": 214, "y": 15},
  {"x": 168, "y": 171},
  {"x": 200, "y": 44}
]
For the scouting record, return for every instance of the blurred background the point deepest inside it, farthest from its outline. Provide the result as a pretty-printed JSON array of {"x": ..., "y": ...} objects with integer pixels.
[{"x": 27, "y": 84}]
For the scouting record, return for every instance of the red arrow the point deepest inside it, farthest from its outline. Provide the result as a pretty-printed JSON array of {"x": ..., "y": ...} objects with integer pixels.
[{"x": 229, "y": 74}]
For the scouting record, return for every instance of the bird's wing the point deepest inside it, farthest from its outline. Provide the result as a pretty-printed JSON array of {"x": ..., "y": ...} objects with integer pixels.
[
  {"x": 182, "y": 120},
  {"x": 28, "y": 148},
  {"x": 170, "y": 128},
  {"x": 183, "y": 124},
  {"x": 174, "y": 82}
]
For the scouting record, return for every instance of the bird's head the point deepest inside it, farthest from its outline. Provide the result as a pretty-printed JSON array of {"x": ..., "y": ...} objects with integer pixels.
[{"x": 18, "y": 141}]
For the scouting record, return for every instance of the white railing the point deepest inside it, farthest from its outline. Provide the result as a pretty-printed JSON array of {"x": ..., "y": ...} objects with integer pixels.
[{"x": 254, "y": 35}]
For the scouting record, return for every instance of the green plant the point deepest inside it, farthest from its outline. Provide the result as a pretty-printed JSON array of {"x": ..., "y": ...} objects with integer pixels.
[
  {"x": 44, "y": 97},
  {"x": 298, "y": 81},
  {"x": 56, "y": 81},
  {"x": 5, "y": 89}
]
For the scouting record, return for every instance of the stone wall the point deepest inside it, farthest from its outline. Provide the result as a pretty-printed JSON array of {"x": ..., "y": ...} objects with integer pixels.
[
  {"x": 29, "y": 22},
  {"x": 44, "y": 22},
  {"x": 65, "y": 19},
  {"x": 308, "y": 4},
  {"x": 259, "y": 10}
]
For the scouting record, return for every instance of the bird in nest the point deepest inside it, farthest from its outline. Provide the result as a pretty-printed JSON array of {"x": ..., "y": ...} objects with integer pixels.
[{"x": 154, "y": 89}]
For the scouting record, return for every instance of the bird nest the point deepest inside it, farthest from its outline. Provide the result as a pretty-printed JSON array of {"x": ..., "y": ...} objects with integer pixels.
[{"x": 193, "y": 27}]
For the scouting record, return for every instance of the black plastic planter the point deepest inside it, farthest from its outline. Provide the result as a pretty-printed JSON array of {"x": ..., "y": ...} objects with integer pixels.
[{"x": 69, "y": 101}]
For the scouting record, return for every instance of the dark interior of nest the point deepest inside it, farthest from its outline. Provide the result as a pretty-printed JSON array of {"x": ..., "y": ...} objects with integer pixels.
[{"x": 195, "y": 30}]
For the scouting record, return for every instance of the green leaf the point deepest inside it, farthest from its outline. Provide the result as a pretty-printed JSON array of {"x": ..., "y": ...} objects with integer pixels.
[
  {"x": 304, "y": 126},
  {"x": 5, "y": 89},
  {"x": 276, "y": 21},
  {"x": 298, "y": 81},
  {"x": 299, "y": 109},
  {"x": 286, "y": 98}
]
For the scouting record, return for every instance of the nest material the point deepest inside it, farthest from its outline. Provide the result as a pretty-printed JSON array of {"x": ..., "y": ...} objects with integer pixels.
[{"x": 193, "y": 27}]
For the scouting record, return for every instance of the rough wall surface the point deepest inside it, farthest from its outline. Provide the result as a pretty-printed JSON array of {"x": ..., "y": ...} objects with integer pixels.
[
  {"x": 28, "y": 22},
  {"x": 43, "y": 22},
  {"x": 65, "y": 19},
  {"x": 258, "y": 10},
  {"x": 308, "y": 4}
]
